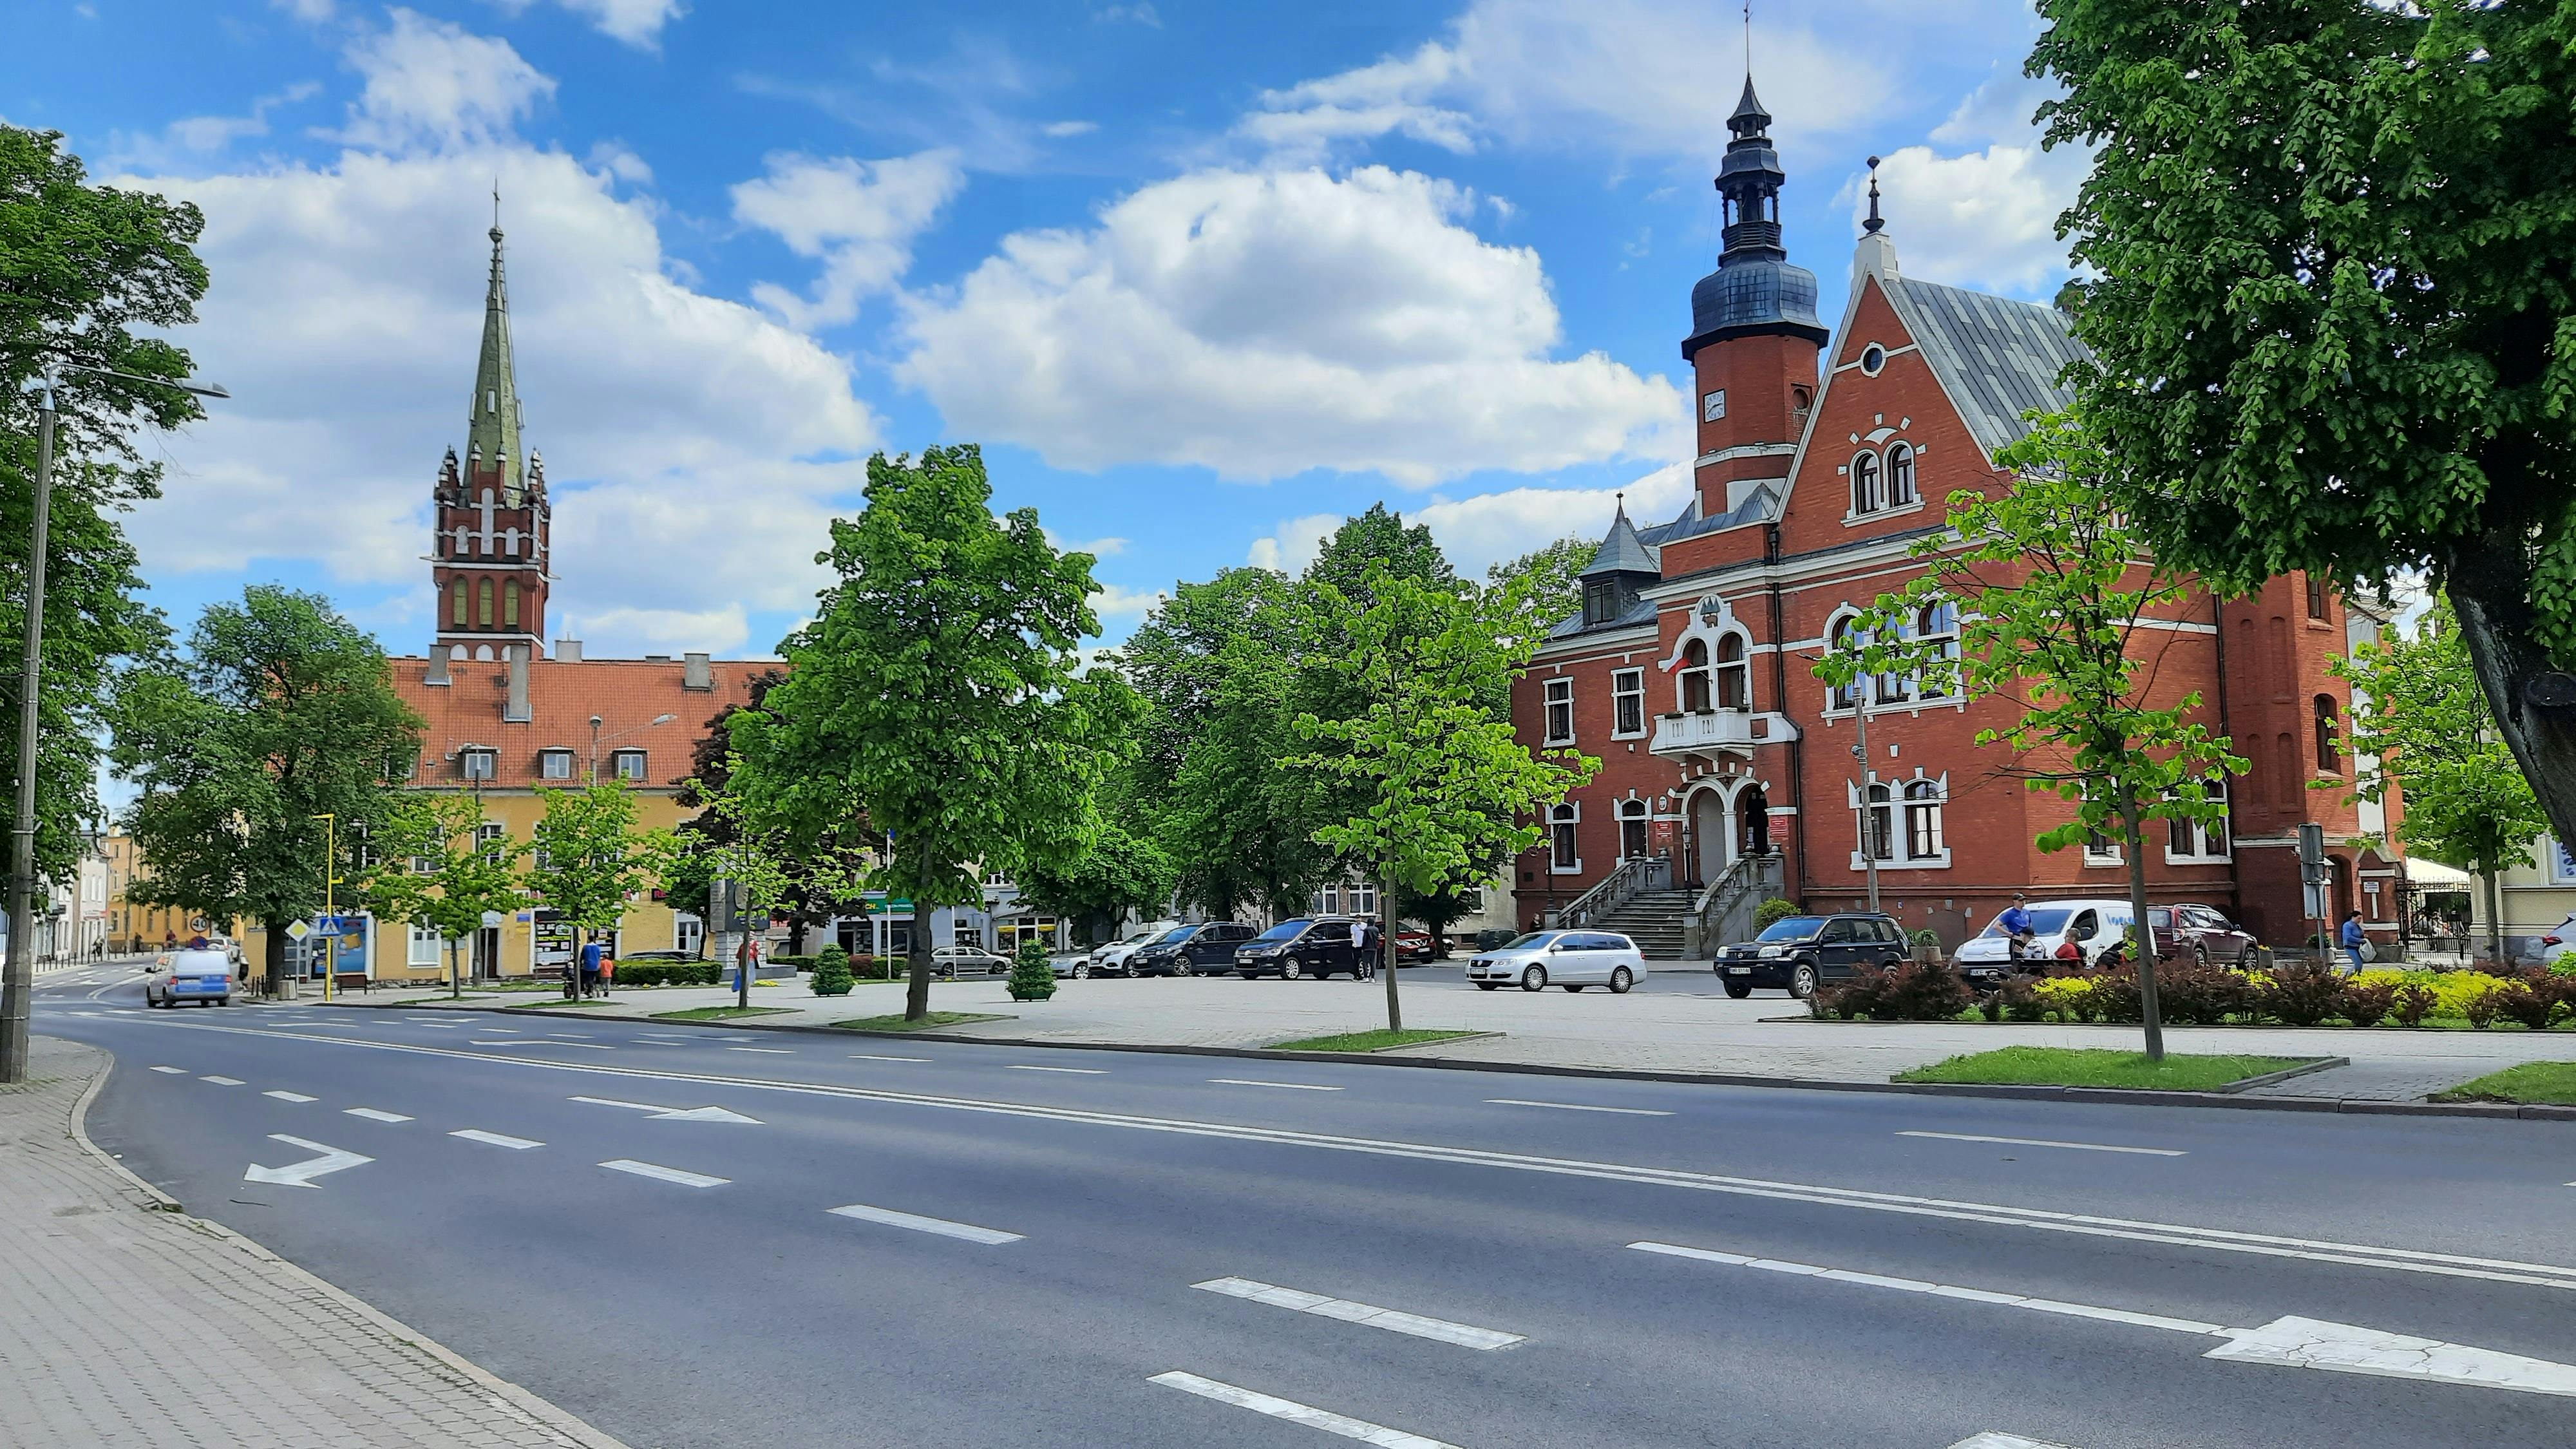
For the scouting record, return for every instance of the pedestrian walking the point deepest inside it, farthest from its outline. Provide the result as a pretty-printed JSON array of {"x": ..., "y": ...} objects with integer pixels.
[
  {"x": 588, "y": 966},
  {"x": 1360, "y": 943},
  {"x": 2017, "y": 924},
  {"x": 2353, "y": 941}
]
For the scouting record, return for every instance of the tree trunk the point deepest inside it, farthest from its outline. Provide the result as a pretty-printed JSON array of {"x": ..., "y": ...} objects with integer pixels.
[
  {"x": 2489, "y": 588},
  {"x": 742, "y": 974},
  {"x": 916, "y": 993},
  {"x": 1386, "y": 949},
  {"x": 455, "y": 985},
  {"x": 2495, "y": 917},
  {"x": 273, "y": 957},
  {"x": 2143, "y": 944}
]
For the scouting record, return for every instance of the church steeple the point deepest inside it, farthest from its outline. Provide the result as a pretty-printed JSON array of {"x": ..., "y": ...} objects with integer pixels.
[
  {"x": 1754, "y": 289},
  {"x": 493, "y": 432}
]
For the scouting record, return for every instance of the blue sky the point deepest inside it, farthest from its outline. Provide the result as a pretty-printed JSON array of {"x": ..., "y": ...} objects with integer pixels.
[{"x": 1201, "y": 277}]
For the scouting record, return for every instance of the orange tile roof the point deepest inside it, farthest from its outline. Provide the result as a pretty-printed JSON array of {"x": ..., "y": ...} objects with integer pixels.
[{"x": 626, "y": 694}]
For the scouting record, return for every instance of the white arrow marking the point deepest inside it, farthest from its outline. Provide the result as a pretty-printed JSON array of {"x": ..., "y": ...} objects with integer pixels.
[
  {"x": 1992, "y": 1440},
  {"x": 301, "y": 1174},
  {"x": 673, "y": 1114},
  {"x": 2344, "y": 1349}
]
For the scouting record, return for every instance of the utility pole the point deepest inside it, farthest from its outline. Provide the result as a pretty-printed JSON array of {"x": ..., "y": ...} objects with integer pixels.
[
  {"x": 1868, "y": 808},
  {"x": 330, "y": 902}
]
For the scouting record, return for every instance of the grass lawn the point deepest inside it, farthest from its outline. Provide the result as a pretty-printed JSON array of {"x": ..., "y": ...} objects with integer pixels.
[
  {"x": 931, "y": 1019},
  {"x": 2093, "y": 1067},
  {"x": 2550, "y": 1082},
  {"x": 722, "y": 1013},
  {"x": 1367, "y": 1041}
]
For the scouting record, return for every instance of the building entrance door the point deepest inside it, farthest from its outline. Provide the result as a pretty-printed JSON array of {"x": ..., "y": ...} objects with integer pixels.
[
  {"x": 487, "y": 953},
  {"x": 1709, "y": 833}
]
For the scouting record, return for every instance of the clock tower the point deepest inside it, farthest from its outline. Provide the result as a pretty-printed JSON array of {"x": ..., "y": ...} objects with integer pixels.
[{"x": 490, "y": 548}]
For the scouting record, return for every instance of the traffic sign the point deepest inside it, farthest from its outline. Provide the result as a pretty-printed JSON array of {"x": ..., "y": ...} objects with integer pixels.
[{"x": 298, "y": 930}]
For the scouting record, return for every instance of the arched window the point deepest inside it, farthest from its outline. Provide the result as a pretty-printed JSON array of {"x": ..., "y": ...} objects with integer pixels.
[
  {"x": 1632, "y": 829},
  {"x": 2329, "y": 749},
  {"x": 1900, "y": 474},
  {"x": 1838, "y": 640},
  {"x": 510, "y": 604},
  {"x": 1561, "y": 854},
  {"x": 456, "y": 603},
  {"x": 1878, "y": 825},
  {"x": 483, "y": 603},
  {"x": 2188, "y": 839},
  {"x": 1923, "y": 840},
  {"x": 1864, "y": 476},
  {"x": 1695, "y": 676},
  {"x": 1734, "y": 674}
]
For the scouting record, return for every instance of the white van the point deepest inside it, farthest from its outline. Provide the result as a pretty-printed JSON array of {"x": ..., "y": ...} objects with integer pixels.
[
  {"x": 2065, "y": 933},
  {"x": 194, "y": 974}
]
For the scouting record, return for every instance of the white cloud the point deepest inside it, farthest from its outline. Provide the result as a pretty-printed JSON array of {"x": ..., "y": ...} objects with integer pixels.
[
  {"x": 1294, "y": 543},
  {"x": 187, "y": 142},
  {"x": 1141, "y": 13},
  {"x": 614, "y": 158},
  {"x": 724, "y": 631},
  {"x": 1264, "y": 324},
  {"x": 1062, "y": 130},
  {"x": 1479, "y": 531},
  {"x": 432, "y": 83},
  {"x": 1983, "y": 217},
  {"x": 858, "y": 217},
  {"x": 1117, "y": 601},
  {"x": 313, "y": 11},
  {"x": 635, "y": 22},
  {"x": 1388, "y": 98},
  {"x": 692, "y": 444}
]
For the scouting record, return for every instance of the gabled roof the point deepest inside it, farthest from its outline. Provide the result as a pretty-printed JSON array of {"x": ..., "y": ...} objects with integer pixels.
[{"x": 1997, "y": 359}]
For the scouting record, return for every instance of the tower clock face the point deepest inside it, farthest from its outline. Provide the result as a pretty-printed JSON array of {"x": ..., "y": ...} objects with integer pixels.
[{"x": 1713, "y": 406}]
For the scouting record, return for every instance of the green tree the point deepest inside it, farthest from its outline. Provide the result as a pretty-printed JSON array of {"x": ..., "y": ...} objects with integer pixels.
[
  {"x": 936, "y": 694},
  {"x": 1032, "y": 978},
  {"x": 2418, "y": 709},
  {"x": 1554, "y": 577},
  {"x": 590, "y": 859},
  {"x": 432, "y": 872},
  {"x": 2054, "y": 615},
  {"x": 2327, "y": 294},
  {"x": 82, "y": 268},
  {"x": 283, "y": 711},
  {"x": 810, "y": 887},
  {"x": 1120, "y": 872},
  {"x": 1437, "y": 778}
]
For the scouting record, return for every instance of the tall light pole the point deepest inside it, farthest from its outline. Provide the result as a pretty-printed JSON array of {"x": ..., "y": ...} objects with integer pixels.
[
  {"x": 18, "y": 977},
  {"x": 597, "y": 739},
  {"x": 1868, "y": 806}
]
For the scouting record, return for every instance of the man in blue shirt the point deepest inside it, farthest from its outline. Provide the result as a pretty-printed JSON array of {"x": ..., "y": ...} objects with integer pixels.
[
  {"x": 590, "y": 954},
  {"x": 2352, "y": 939},
  {"x": 2016, "y": 923}
]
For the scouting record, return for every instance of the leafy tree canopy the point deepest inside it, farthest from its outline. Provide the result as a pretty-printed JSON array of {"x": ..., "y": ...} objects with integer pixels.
[
  {"x": 432, "y": 872},
  {"x": 1553, "y": 576}
]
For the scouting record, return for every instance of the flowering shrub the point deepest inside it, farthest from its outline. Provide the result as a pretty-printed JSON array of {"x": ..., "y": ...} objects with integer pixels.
[{"x": 2301, "y": 994}]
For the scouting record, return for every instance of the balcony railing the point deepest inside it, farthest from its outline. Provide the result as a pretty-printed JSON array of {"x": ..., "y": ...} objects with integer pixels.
[{"x": 1707, "y": 731}]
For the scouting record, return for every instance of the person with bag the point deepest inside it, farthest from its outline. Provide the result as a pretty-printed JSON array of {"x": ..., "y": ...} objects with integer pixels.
[{"x": 2353, "y": 941}]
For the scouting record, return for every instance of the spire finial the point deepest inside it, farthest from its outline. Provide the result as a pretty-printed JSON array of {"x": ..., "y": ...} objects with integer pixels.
[
  {"x": 496, "y": 211},
  {"x": 1620, "y": 498},
  {"x": 1748, "y": 39},
  {"x": 1875, "y": 221}
]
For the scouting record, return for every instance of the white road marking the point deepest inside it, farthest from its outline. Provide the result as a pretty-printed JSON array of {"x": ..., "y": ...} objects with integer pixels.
[
  {"x": 497, "y": 1139},
  {"x": 440, "y": 1025},
  {"x": 2045, "y": 1142},
  {"x": 222, "y": 1081},
  {"x": 919, "y": 1224},
  {"x": 183, "y": 1071},
  {"x": 1992, "y": 1440},
  {"x": 372, "y": 1115},
  {"x": 1287, "y": 1086},
  {"x": 765, "y": 1051},
  {"x": 2289, "y": 1342},
  {"x": 1071, "y": 1071},
  {"x": 288, "y": 1096},
  {"x": 301, "y": 1174},
  {"x": 2365, "y": 1255},
  {"x": 673, "y": 1114},
  {"x": 1937, "y": 1290},
  {"x": 579, "y": 1046},
  {"x": 500, "y": 1030},
  {"x": 569, "y": 1035},
  {"x": 1297, "y": 1413},
  {"x": 1576, "y": 1107},
  {"x": 665, "y": 1174},
  {"x": 1462, "y": 1334},
  {"x": 864, "y": 1057},
  {"x": 2344, "y": 1349}
]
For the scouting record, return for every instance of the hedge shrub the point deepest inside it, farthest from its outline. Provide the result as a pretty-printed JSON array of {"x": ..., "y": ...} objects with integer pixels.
[
  {"x": 667, "y": 973},
  {"x": 1772, "y": 912},
  {"x": 832, "y": 972}
]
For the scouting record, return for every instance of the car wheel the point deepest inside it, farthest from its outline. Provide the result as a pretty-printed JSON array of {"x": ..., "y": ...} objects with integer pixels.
[
  {"x": 1738, "y": 990},
  {"x": 1534, "y": 979},
  {"x": 2245, "y": 959},
  {"x": 1621, "y": 979},
  {"x": 2200, "y": 957},
  {"x": 1081, "y": 970},
  {"x": 1802, "y": 980},
  {"x": 1489, "y": 986},
  {"x": 1291, "y": 971}
]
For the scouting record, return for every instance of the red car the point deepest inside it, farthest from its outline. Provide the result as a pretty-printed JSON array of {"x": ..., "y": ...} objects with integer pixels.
[
  {"x": 1415, "y": 946},
  {"x": 2201, "y": 934}
]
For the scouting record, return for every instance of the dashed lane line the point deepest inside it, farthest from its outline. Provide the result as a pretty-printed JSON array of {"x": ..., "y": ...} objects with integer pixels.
[
  {"x": 1438, "y": 1329},
  {"x": 496, "y": 1139},
  {"x": 664, "y": 1174},
  {"x": 1297, "y": 1413},
  {"x": 765, "y": 1051},
  {"x": 1937, "y": 1290},
  {"x": 288, "y": 1096},
  {"x": 866, "y": 1057},
  {"x": 1574, "y": 1107},
  {"x": 919, "y": 1224},
  {"x": 222, "y": 1081},
  {"x": 1069, "y": 1071},
  {"x": 1993, "y": 1440},
  {"x": 183, "y": 1071},
  {"x": 2322, "y": 1250},
  {"x": 2045, "y": 1142},
  {"x": 1284, "y": 1086},
  {"x": 373, "y": 1115}
]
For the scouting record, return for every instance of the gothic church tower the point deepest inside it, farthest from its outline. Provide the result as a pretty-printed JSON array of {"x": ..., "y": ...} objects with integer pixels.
[{"x": 490, "y": 549}]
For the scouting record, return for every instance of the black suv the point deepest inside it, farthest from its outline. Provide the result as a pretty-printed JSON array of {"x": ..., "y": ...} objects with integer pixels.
[
  {"x": 1201, "y": 950},
  {"x": 1797, "y": 952},
  {"x": 1303, "y": 946}
]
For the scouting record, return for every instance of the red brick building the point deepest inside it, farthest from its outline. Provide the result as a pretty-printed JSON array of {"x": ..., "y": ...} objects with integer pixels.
[{"x": 1822, "y": 456}]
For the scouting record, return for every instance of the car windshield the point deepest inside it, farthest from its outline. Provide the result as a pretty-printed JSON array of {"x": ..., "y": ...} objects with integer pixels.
[
  {"x": 1285, "y": 930},
  {"x": 1792, "y": 928},
  {"x": 1141, "y": 937},
  {"x": 1532, "y": 941},
  {"x": 2046, "y": 921},
  {"x": 1177, "y": 933}
]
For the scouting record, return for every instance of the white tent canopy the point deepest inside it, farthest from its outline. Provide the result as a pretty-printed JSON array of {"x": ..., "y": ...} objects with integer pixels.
[{"x": 2432, "y": 875}]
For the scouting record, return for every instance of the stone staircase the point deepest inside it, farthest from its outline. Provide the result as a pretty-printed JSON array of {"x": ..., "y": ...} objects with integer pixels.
[{"x": 1652, "y": 919}]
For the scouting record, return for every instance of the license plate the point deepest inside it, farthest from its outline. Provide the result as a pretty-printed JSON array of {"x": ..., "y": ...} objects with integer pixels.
[{"x": 1739, "y": 970}]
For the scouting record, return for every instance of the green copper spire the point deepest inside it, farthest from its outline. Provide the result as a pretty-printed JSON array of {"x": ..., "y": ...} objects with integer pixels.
[{"x": 493, "y": 433}]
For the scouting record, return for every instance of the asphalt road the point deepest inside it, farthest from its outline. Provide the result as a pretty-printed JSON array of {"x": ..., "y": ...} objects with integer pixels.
[{"x": 1035, "y": 1235}]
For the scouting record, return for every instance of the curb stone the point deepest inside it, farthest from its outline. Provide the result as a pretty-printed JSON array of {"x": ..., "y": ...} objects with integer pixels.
[{"x": 2117, "y": 1095}]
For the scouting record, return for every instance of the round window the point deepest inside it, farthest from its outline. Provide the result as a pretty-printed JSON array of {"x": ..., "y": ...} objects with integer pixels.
[{"x": 1872, "y": 358}]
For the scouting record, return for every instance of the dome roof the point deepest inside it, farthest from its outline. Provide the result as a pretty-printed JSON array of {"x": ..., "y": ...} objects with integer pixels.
[{"x": 1755, "y": 295}]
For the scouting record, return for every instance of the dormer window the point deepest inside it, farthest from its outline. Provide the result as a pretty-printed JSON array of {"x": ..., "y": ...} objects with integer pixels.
[
  {"x": 628, "y": 765},
  {"x": 477, "y": 762},
  {"x": 1600, "y": 601},
  {"x": 554, "y": 764}
]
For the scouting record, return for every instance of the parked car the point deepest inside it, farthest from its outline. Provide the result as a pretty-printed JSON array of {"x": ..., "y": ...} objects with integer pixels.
[
  {"x": 1415, "y": 946},
  {"x": 2199, "y": 933},
  {"x": 1298, "y": 947},
  {"x": 1111, "y": 960},
  {"x": 191, "y": 975},
  {"x": 2558, "y": 938},
  {"x": 1201, "y": 950},
  {"x": 1076, "y": 964},
  {"x": 1494, "y": 938},
  {"x": 950, "y": 962},
  {"x": 1571, "y": 959},
  {"x": 2065, "y": 933},
  {"x": 1802, "y": 952}
]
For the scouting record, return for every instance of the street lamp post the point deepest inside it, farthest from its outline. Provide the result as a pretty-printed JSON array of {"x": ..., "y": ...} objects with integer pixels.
[
  {"x": 18, "y": 976},
  {"x": 596, "y": 739}
]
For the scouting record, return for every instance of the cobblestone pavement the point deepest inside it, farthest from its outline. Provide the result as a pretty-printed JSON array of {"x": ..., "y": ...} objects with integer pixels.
[
  {"x": 1663, "y": 1030},
  {"x": 125, "y": 1323}
]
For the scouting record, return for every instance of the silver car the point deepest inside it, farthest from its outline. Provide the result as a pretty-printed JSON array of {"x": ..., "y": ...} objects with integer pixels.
[
  {"x": 1571, "y": 959},
  {"x": 190, "y": 975}
]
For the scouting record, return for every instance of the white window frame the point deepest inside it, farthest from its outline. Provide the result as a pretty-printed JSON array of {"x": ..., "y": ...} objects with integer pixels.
[
  {"x": 1719, "y": 667},
  {"x": 1637, "y": 811},
  {"x": 1569, "y": 817},
  {"x": 1945, "y": 611},
  {"x": 548, "y": 759},
  {"x": 1558, "y": 693},
  {"x": 415, "y": 938},
  {"x": 1900, "y": 823},
  {"x": 488, "y": 832},
  {"x": 479, "y": 762},
  {"x": 1888, "y": 476},
  {"x": 618, "y": 760},
  {"x": 2199, "y": 853},
  {"x": 1869, "y": 501},
  {"x": 1845, "y": 618},
  {"x": 1627, "y": 691},
  {"x": 2104, "y": 853}
]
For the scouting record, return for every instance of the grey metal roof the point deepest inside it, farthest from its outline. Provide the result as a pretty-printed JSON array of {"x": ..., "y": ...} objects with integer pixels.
[
  {"x": 1640, "y": 611},
  {"x": 1623, "y": 552},
  {"x": 1998, "y": 358}
]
